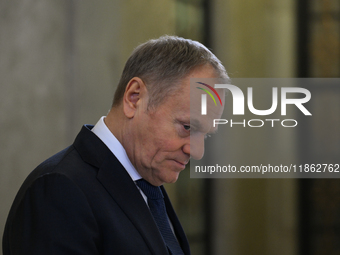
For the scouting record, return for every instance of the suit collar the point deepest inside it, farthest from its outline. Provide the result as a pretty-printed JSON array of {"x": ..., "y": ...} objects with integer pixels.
[
  {"x": 91, "y": 149},
  {"x": 106, "y": 136}
]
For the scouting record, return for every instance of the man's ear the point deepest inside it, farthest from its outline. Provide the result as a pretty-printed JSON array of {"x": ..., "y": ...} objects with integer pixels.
[{"x": 134, "y": 92}]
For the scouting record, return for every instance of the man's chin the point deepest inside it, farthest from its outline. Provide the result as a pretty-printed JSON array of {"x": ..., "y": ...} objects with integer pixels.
[
  {"x": 172, "y": 178},
  {"x": 167, "y": 179},
  {"x": 166, "y": 174}
]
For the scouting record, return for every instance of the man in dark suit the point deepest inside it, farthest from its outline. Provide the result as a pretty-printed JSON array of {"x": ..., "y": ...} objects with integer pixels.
[{"x": 96, "y": 196}]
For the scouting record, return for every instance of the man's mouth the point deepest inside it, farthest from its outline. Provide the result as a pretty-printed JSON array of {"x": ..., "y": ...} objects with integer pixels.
[{"x": 182, "y": 164}]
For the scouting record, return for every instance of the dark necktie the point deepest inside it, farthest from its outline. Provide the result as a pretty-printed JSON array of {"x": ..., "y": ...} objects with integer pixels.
[{"x": 158, "y": 211}]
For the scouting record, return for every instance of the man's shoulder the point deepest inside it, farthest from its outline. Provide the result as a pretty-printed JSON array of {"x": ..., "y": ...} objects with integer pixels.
[
  {"x": 60, "y": 163},
  {"x": 71, "y": 162},
  {"x": 85, "y": 153}
]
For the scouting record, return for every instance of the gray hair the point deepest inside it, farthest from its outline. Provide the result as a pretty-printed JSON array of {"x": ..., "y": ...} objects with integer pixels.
[{"x": 162, "y": 62}]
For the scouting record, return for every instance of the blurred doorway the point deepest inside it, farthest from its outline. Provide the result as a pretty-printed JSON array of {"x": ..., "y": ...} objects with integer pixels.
[{"x": 319, "y": 56}]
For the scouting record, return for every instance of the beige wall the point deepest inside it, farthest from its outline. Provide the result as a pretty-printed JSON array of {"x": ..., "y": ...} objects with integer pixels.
[{"x": 34, "y": 92}]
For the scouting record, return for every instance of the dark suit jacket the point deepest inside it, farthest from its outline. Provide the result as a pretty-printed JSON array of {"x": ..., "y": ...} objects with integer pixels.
[{"x": 82, "y": 201}]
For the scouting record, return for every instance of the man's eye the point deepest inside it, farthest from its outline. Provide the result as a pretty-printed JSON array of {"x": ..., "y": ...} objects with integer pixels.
[{"x": 186, "y": 127}]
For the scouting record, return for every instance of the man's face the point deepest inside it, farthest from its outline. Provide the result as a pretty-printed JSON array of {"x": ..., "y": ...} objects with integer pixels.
[{"x": 161, "y": 140}]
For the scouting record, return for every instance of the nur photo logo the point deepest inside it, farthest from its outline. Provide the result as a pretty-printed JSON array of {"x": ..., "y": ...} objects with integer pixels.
[
  {"x": 204, "y": 97},
  {"x": 279, "y": 99}
]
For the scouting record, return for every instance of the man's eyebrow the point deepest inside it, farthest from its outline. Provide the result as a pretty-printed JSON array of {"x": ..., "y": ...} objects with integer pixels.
[{"x": 198, "y": 126}]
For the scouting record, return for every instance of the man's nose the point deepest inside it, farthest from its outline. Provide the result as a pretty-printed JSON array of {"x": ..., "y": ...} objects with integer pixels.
[{"x": 196, "y": 147}]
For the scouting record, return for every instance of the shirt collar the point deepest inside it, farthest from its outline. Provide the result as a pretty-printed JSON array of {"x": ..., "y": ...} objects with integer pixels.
[{"x": 104, "y": 134}]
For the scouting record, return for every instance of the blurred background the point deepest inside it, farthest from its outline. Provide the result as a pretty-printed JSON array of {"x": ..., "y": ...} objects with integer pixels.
[{"x": 60, "y": 61}]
